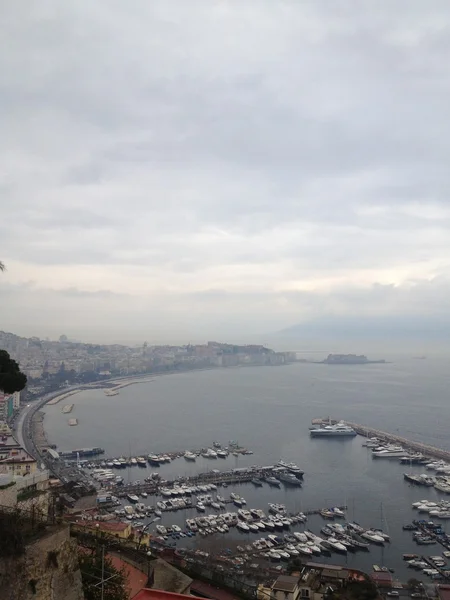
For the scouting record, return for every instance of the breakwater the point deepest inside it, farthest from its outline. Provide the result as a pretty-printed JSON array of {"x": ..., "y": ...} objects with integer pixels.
[{"x": 425, "y": 449}]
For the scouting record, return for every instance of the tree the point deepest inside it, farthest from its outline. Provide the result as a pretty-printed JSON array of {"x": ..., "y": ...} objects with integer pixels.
[
  {"x": 115, "y": 582},
  {"x": 11, "y": 377},
  {"x": 2, "y": 266}
]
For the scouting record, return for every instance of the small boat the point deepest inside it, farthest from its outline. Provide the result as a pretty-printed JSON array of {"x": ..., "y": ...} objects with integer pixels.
[
  {"x": 200, "y": 507},
  {"x": 257, "y": 482},
  {"x": 190, "y": 456},
  {"x": 154, "y": 460},
  {"x": 273, "y": 481},
  {"x": 133, "y": 498},
  {"x": 337, "y": 545},
  {"x": 327, "y": 514},
  {"x": 133, "y": 462},
  {"x": 290, "y": 479},
  {"x": 373, "y": 537},
  {"x": 209, "y": 453},
  {"x": 410, "y": 556},
  {"x": 338, "y": 512},
  {"x": 243, "y": 526},
  {"x": 141, "y": 461}
]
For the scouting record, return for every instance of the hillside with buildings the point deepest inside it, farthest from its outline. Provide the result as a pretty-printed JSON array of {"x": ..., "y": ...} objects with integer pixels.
[{"x": 60, "y": 362}]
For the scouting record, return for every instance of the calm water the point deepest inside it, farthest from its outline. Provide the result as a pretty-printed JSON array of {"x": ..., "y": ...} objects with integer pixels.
[{"x": 269, "y": 410}]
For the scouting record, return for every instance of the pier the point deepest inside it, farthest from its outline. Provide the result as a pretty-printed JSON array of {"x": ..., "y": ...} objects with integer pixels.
[
  {"x": 218, "y": 478},
  {"x": 425, "y": 449},
  {"x": 62, "y": 397}
]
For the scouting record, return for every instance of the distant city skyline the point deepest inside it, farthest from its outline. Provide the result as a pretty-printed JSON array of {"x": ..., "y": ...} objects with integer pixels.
[{"x": 200, "y": 170}]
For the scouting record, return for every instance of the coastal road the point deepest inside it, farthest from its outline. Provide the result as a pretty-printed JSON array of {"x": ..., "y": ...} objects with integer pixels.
[
  {"x": 23, "y": 426},
  {"x": 20, "y": 425}
]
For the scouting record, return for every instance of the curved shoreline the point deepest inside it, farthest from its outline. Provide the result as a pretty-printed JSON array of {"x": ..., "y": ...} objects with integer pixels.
[
  {"x": 33, "y": 430},
  {"x": 29, "y": 424}
]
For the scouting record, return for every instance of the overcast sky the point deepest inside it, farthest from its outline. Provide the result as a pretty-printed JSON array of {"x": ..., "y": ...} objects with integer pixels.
[{"x": 179, "y": 168}]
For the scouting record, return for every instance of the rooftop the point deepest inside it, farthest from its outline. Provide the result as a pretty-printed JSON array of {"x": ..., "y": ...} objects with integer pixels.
[
  {"x": 152, "y": 594},
  {"x": 285, "y": 583},
  {"x": 168, "y": 577},
  {"x": 114, "y": 526},
  {"x": 15, "y": 455},
  {"x": 8, "y": 441},
  {"x": 382, "y": 578},
  {"x": 443, "y": 592}
]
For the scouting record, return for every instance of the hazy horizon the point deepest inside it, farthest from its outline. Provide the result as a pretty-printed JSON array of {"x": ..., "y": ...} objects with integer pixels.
[{"x": 183, "y": 171}]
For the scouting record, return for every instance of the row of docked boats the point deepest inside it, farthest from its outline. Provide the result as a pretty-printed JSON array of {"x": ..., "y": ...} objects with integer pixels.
[
  {"x": 246, "y": 521},
  {"x": 306, "y": 543},
  {"x": 414, "y": 561},
  {"x": 440, "y": 483},
  {"x": 439, "y": 510}
]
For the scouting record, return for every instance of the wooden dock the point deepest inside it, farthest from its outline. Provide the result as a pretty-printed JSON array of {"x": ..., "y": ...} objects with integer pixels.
[{"x": 425, "y": 449}]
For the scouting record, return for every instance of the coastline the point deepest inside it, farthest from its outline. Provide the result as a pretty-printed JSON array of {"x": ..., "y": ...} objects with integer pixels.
[{"x": 38, "y": 434}]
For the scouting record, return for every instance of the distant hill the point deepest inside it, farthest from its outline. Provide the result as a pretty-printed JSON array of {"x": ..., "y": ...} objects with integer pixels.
[{"x": 375, "y": 328}]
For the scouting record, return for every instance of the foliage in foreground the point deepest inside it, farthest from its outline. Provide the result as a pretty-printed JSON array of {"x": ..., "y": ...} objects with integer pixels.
[
  {"x": 11, "y": 377},
  {"x": 115, "y": 586}
]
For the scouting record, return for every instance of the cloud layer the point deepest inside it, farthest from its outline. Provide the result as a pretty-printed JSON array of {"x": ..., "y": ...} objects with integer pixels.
[{"x": 218, "y": 167}]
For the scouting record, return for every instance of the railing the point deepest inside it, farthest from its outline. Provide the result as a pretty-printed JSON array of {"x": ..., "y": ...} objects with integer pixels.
[{"x": 32, "y": 479}]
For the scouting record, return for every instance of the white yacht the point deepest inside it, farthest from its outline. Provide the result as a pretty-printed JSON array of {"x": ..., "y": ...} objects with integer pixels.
[
  {"x": 209, "y": 453},
  {"x": 190, "y": 456},
  {"x": 336, "y": 545},
  {"x": 338, "y": 430},
  {"x": 389, "y": 452},
  {"x": 373, "y": 537}
]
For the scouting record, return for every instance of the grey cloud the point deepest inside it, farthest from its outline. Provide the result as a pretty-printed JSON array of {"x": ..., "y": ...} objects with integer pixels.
[{"x": 241, "y": 152}]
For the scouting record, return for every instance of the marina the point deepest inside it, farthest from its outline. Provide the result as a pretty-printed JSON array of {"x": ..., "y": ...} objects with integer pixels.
[{"x": 338, "y": 470}]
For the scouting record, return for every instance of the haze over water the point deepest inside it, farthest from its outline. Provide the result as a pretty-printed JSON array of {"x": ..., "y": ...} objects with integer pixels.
[{"x": 269, "y": 410}]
